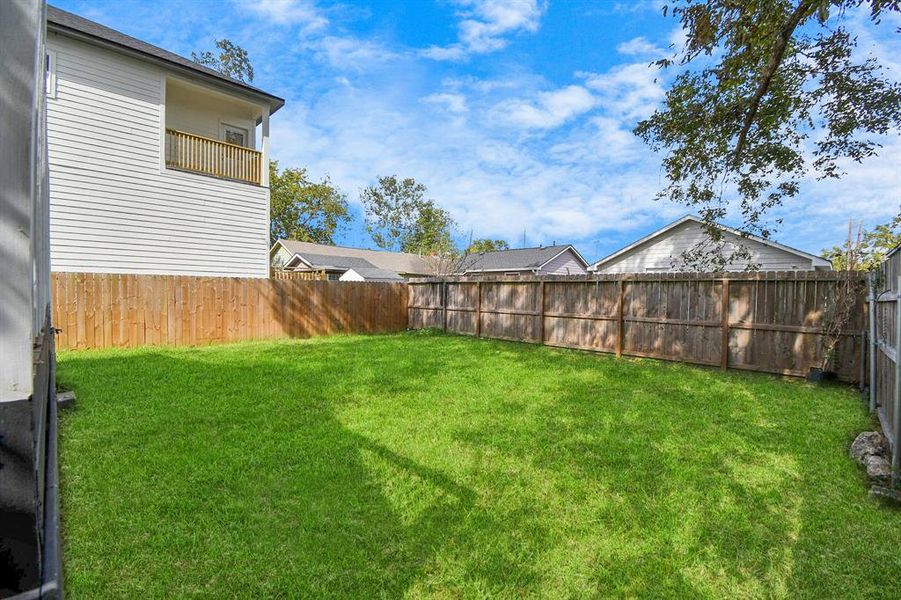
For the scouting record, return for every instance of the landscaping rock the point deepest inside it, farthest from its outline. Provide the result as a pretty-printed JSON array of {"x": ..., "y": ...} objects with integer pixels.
[
  {"x": 869, "y": 443},
  {"x": 879, "y": 469}
]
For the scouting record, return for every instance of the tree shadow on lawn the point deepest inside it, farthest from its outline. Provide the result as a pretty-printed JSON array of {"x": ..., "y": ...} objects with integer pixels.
[
  {"x": 192, "y": 472},
  {"x": 691, "y": 482}
]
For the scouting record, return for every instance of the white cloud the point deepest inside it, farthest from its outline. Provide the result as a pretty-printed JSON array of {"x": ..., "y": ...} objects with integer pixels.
[
  {"x": 484, "y": 25},
  {"x": 455, "y": 103},
  {"x": 350, "y": 53},
  {"x": 550, "y": 109},
  {"x": 288, "y": 12},
  {"x": 639, "y": 46},
  {"x": 632, "y": 91}
]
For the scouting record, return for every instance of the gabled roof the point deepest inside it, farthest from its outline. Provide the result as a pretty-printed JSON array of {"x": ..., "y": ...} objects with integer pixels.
[
  {"x": 399, "y": 262},
  {"x": 324, "y": 261},
  {"x": 375, "y": 274},
  {"x": 73, "y": 25},
  {"x": 518, "y": 259},
  {"x": 816, "y": 261}
]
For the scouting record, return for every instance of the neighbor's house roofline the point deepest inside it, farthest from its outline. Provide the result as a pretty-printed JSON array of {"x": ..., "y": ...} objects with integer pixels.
[
  {"x": 77, "y": 27},
  {"x": 816, "y": 261},
  {"x": 536, "y": 268}
]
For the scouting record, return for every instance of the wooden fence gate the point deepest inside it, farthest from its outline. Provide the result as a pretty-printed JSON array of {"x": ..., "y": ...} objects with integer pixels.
[
  {"x": 885, "y": 353},
  {"x": 772, "y": 321}
]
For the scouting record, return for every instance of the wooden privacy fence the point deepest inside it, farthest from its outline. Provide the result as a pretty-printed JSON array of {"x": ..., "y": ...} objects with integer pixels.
[
  {"x": 99, "y": 310},
  {"x": 772, "y": 322},
  {"x": 885, "y": 353},
  {"x": 298, "y": 275}
]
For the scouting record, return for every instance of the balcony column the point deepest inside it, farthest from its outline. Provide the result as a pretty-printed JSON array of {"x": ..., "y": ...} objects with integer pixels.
[{"x": 264, "y": 147}]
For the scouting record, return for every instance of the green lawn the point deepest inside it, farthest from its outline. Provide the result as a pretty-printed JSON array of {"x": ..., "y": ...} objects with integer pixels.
[{"x": 429, "y": 465}]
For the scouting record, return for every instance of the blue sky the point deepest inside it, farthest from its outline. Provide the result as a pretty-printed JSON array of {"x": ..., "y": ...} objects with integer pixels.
[{"x": 517, "y": 114}]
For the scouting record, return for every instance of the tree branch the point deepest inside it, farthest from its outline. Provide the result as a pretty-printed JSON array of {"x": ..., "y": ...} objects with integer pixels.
[{"x": 803, "y": 10}]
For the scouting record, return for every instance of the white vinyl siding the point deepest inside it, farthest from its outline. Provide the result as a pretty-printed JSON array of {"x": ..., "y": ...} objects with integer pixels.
[
  {"x": 659, "y": 253},
  {"x": 114, "y": 207},
  {"x": 566, "y": 263}
]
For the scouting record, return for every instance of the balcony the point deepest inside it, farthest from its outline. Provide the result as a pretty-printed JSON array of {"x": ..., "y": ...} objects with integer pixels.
[
  {"x": 213, "y": 133},
  {"x": 197, "y": 154}
]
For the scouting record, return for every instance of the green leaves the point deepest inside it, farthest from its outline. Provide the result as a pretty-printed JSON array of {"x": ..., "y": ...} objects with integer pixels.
[
  {"x": 399, "y": 217},
  {"x": 304, "y": 210},
  {"x": 781, "y": 99},
  {"x": 232, "y": 60},
  {"x": 486, "y": 245}
]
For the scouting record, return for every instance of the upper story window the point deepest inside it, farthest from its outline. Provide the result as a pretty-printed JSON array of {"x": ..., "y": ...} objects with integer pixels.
[
  {"x": 234, "y": 135},
  {"x": 50, "y": 74}
]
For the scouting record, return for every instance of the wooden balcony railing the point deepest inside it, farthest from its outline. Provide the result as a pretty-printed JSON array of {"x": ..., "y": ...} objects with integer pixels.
[{"x": 199, "y": 154}]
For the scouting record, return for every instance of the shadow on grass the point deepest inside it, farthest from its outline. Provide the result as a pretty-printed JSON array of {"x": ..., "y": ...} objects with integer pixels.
[
  {"x": 227, "y": 470},
  {"x": 430, "y": 464}
]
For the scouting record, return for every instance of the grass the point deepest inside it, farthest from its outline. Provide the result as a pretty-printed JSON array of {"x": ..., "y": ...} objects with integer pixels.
[{"x": 429, "y": 465}]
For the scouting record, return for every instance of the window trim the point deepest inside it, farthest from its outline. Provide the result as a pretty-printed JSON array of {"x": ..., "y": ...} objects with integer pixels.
[
  {"x": 50, "y": 60},
  {"x": 223, "y": 125}
]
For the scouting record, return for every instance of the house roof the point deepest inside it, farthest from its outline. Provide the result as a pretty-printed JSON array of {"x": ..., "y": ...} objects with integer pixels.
[
  {"x": 324, "y": 261},
  {"x": 399, "y": 262},
  {"x": 815, "y": 260},
  {"x": 79, "y": 27},
  {"x": 376, "y": 274},
  {"x": 518, "y": 259}
]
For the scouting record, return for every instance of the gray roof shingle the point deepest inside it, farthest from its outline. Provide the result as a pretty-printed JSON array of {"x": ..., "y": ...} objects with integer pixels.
[
  {"x": 62, "y": 21},
  {"x": 399, "y": 262},
  {"x": 519, "y": 259},
  {"x": 376, "y": 274}
]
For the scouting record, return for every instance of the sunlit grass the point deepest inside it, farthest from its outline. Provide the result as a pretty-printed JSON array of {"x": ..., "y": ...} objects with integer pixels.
[{"x": 431, "y": 465}]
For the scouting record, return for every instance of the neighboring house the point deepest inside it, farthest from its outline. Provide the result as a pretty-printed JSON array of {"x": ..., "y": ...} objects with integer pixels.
[
  {"x": 662, "y": 251},
  {"x": 545, "y": 260},
  {"x": 157, "y": 164},
  {"x": 348, "y": 264}
]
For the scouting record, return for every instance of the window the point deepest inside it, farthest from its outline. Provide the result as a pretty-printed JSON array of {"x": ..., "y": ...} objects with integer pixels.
[
  {"x": 234, "y": 135},
  {"x": 50, "y": 74},
  {"x": 512, "y": 274},
  {"x": 334, "y": 276}
]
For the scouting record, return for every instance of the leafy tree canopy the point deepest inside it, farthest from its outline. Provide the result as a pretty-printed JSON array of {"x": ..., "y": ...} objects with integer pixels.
[
  {"x": 400, "y": 217},
  {"x": 304, "y": 210},
  {"x": 232, "y": 60},
  {"x": 867, "y": 250},
  {"x": 487, "y": 245},
  {"x": 768, "y": 93}
]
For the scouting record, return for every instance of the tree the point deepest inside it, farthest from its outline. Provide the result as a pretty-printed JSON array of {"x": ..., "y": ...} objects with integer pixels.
[
  {"x": 769, "y": 94},
  {"x": 304, "y": 210},
  {"x": 867, "y": 251},
  {"x": 431, "y": 232},
  {"x": 487, "y": 245},
  {"x": 399, "y": 217},
  {"x": 232, "y": 61}
]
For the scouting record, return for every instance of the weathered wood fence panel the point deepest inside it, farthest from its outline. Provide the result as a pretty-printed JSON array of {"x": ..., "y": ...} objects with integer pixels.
[
  {"x": 772, "y": 321},
  {"x": 101, "y": 310},
  {"x": 884, "y": 352}
]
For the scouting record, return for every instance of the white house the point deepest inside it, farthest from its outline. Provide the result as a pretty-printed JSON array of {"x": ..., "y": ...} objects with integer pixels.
[
  {"x": 544, "y": 260},
  {"x": 662, "y": 250},
  {"x": 157, "y": 164}
]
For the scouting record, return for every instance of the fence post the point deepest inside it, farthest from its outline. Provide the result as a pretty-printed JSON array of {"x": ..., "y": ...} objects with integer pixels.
[
  {"x": 896, "y": 408},
  {"x": 620, "y": 320},
  {"x": 541, "y": 316},
  {"x": 872, "y": 322},
  {"x": 444, "y": 301},
  {"x": 724, "y": 356},
  {"x": 479, "y": 310}
]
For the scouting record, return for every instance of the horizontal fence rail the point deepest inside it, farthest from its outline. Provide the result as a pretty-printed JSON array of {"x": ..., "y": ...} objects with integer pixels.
[
  {"x": 190, "y": 152},
  {"x": 772, "y": 321},
  {"x": 100, "y": 310}
]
